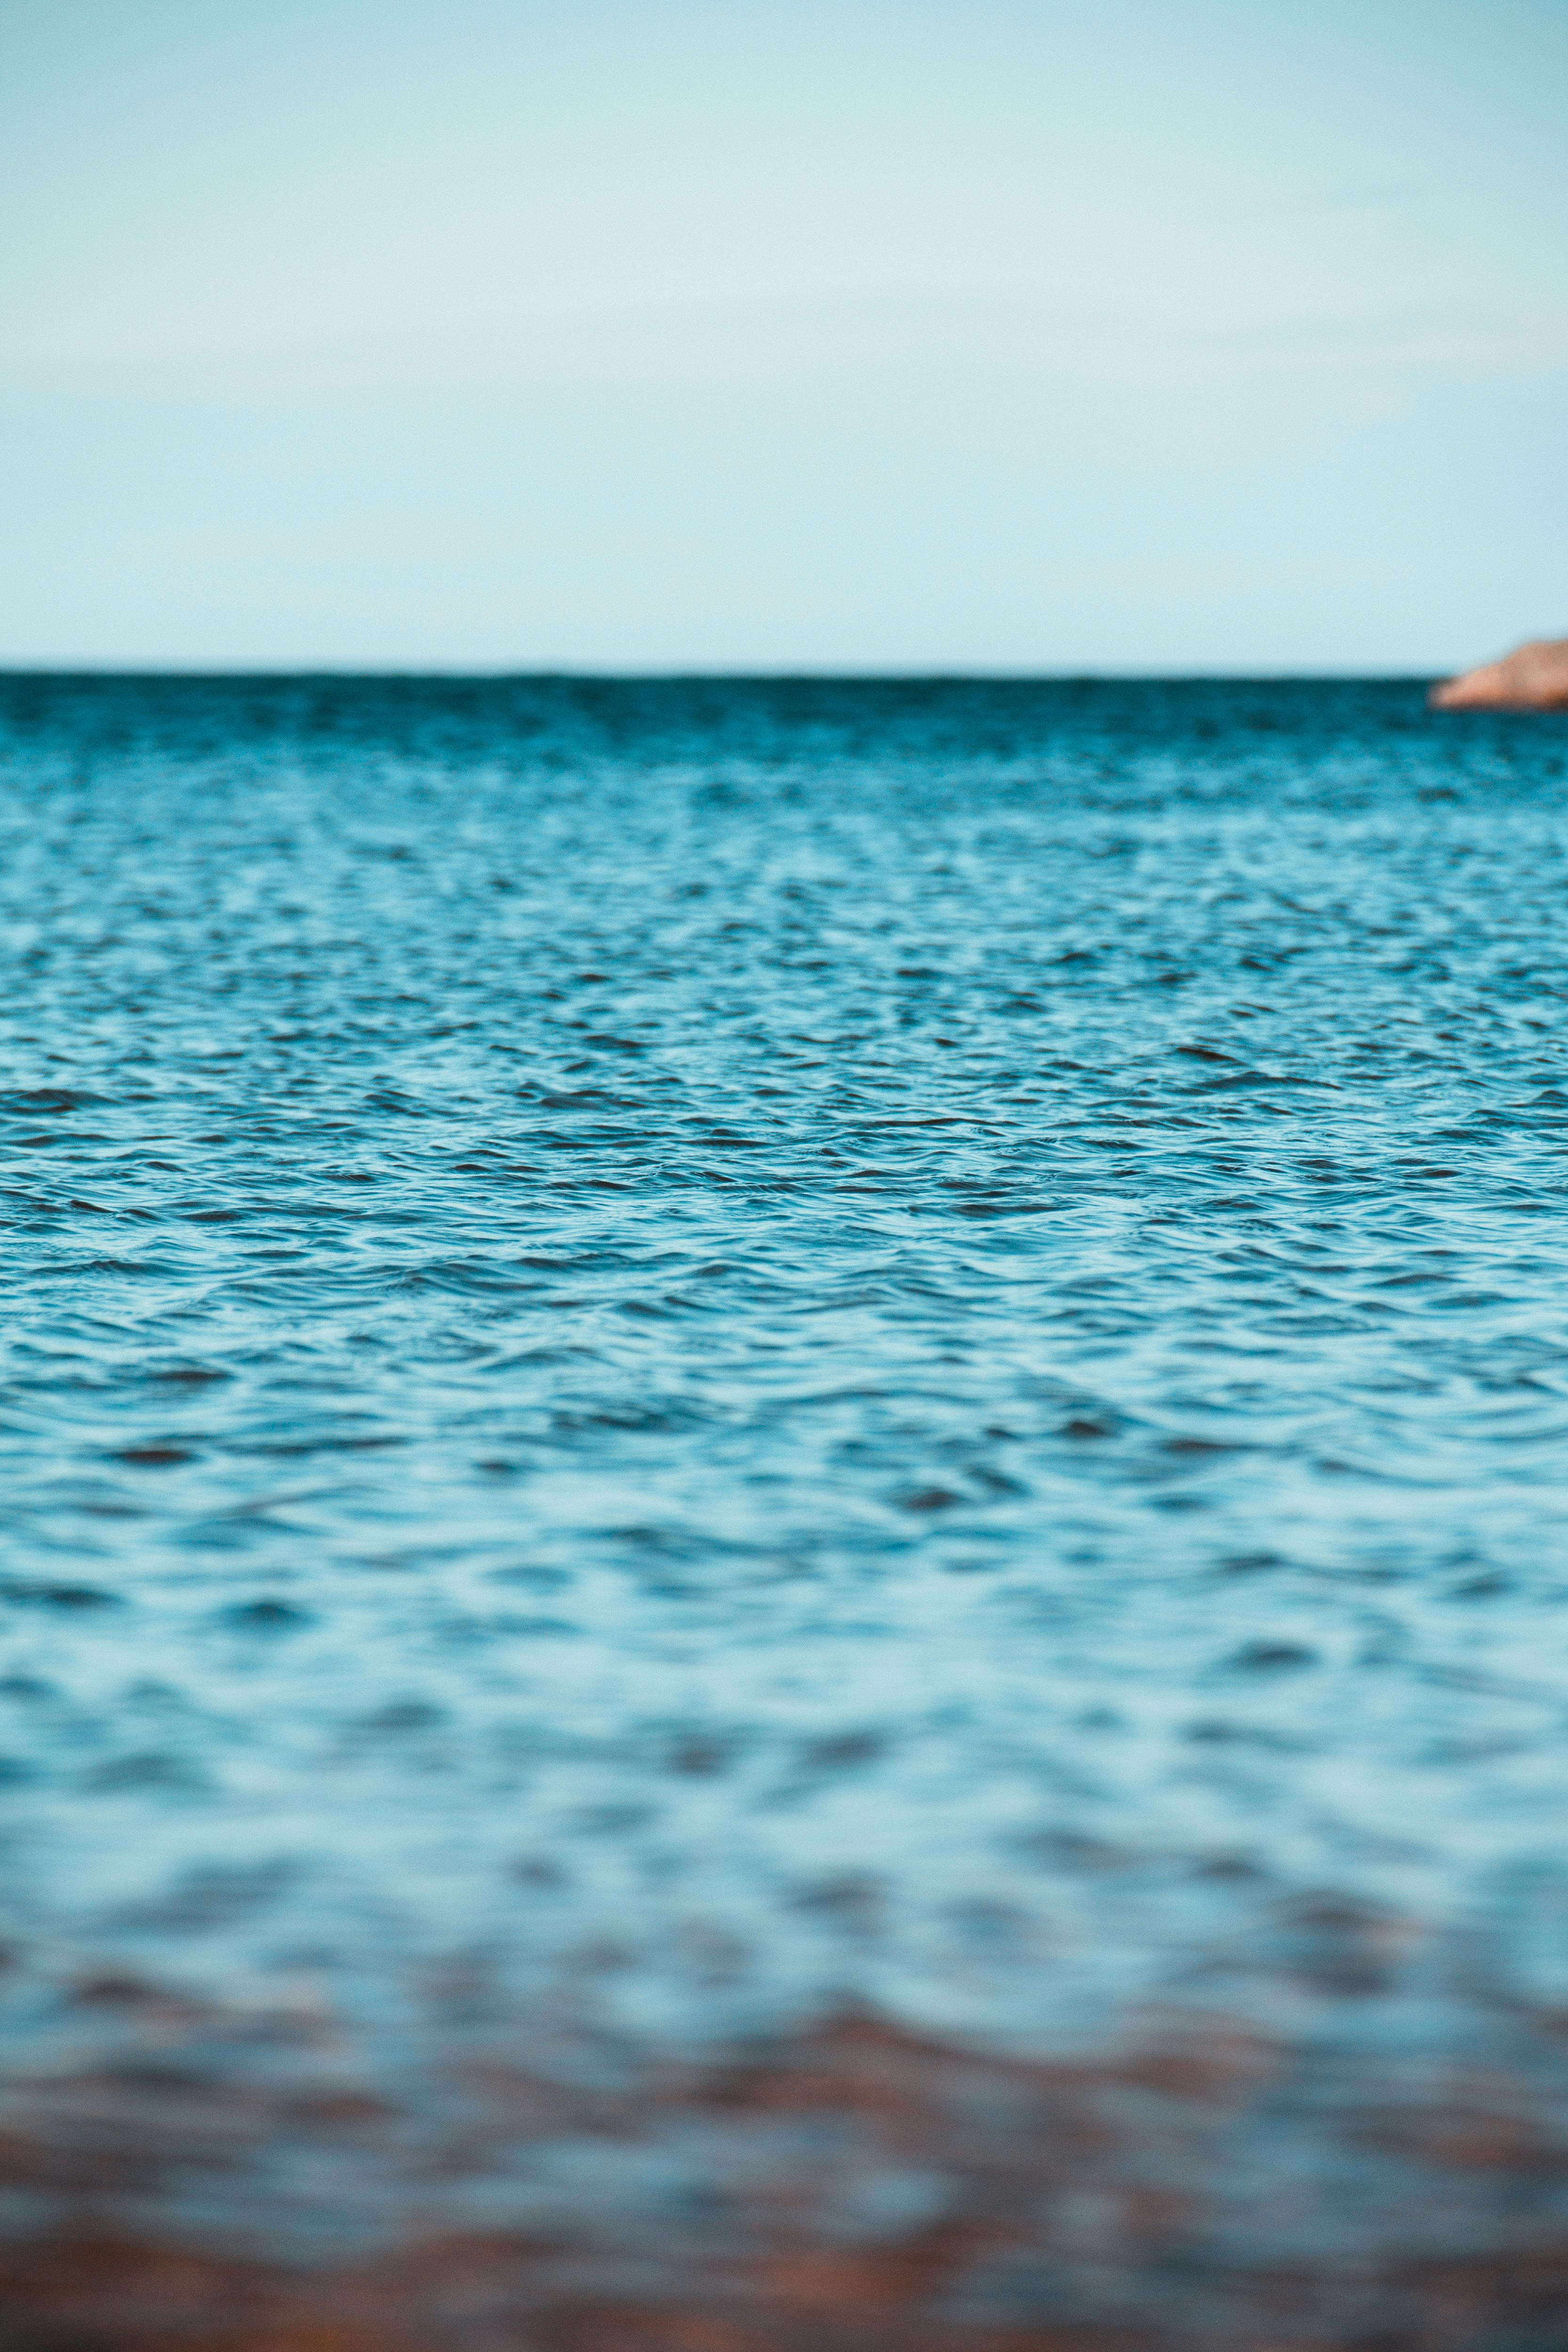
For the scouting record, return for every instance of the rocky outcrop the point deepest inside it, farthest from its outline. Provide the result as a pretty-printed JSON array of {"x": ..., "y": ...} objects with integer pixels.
[{"x": 1535, "y": 677}]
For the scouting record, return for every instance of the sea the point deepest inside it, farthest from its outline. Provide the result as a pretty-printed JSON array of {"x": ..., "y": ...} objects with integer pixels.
[{"x": 696, "y": 1354}]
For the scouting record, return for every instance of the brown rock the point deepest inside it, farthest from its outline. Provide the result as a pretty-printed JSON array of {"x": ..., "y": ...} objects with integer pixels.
[
  {"x": 1534, "y": 677},
  {"x": 844, "y": 2187}
]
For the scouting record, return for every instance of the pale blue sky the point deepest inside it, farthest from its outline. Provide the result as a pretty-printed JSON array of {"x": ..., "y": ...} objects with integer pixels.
[{"x": 1116, "y": 334}]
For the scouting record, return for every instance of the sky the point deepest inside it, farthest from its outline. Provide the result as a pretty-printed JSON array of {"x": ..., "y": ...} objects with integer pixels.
[{"x": 1087, "y": 335}]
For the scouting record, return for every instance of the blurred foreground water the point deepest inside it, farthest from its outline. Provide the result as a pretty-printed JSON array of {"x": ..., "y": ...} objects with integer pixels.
[{"x": 784, "y": 1469}]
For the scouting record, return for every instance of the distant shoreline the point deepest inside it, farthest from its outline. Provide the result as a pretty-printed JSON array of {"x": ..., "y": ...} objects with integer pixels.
[{"x": 1532, "y": 677}]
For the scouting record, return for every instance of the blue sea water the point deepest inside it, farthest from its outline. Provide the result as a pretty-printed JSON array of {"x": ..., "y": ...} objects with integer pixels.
[{"x": 723, "y": 1346}]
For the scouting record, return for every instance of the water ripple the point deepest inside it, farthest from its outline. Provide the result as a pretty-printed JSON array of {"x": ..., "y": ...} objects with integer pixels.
[{"x": 788, "y": 1318}]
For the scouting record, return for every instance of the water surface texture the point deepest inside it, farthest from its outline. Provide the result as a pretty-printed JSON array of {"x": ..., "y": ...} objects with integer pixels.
[{"x": 732, "y": 1348}]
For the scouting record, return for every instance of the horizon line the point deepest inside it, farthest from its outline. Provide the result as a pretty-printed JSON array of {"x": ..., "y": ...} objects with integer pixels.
[{"x": 735, "y": 674}]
